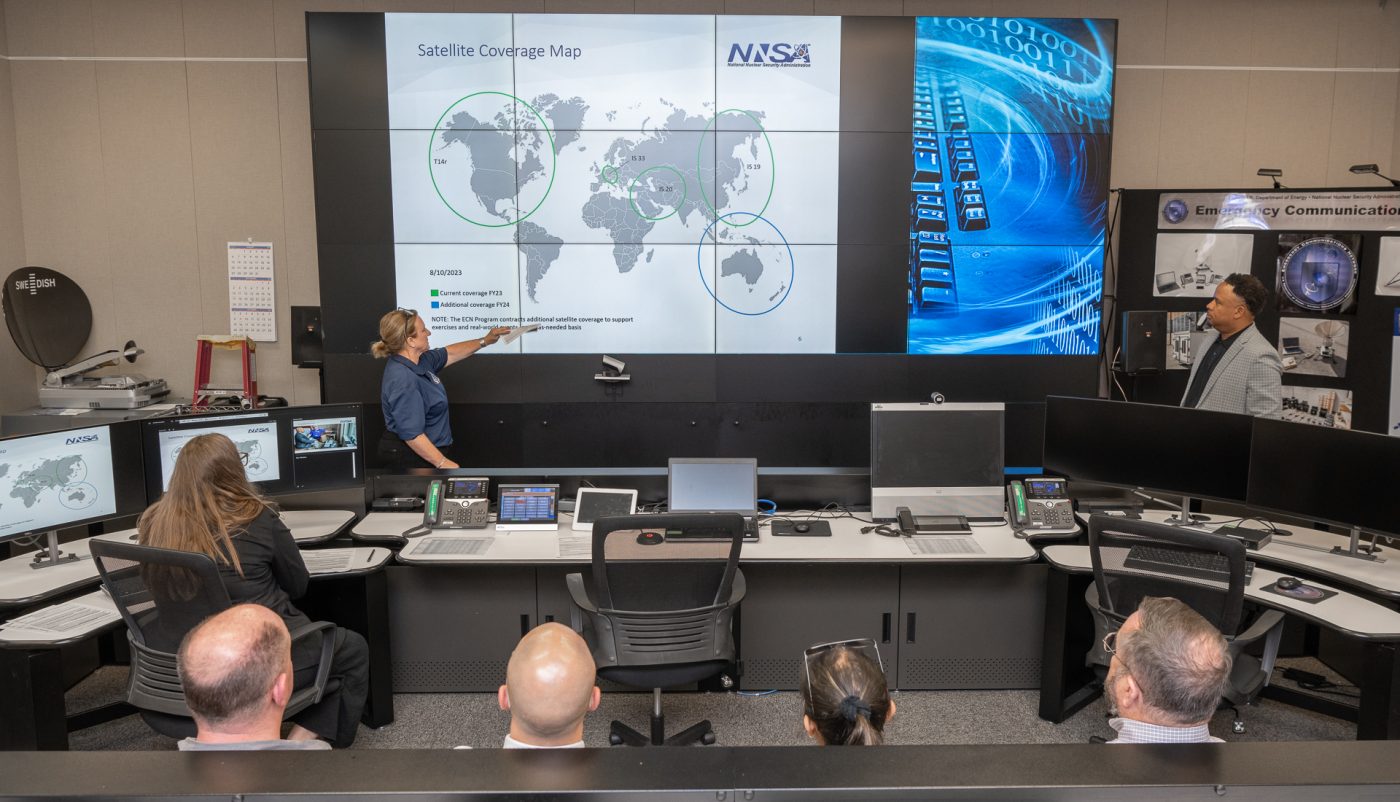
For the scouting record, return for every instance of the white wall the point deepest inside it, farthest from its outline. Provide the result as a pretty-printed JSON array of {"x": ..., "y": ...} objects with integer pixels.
[{"x": 175, "y": 127}]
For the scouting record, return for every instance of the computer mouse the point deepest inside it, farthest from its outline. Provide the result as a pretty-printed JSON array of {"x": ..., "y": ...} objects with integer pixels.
[
  {"x": 1287, "y": 583},
  {"x": 650, "y": 538},
  {"x": 801, "y": 529}
]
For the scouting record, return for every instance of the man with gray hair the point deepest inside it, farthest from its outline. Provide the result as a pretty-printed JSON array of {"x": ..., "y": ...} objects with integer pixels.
[
  {"x": 1168, "y": 670},
  {"x": 236, "y": 670}
]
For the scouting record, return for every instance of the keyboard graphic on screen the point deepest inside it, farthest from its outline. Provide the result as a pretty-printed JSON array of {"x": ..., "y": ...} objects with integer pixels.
[{"x": 1193, "y": 564}]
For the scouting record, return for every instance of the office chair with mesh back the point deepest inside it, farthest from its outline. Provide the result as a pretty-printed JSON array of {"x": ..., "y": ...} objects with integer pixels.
[
  {"x": 1118, "y": 590},
  {"x": 659, "y": 608},
  {"x": 162, "y": 594}
]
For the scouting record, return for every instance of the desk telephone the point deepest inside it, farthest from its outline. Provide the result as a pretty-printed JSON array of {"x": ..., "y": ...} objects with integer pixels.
[
  {"x": 457, "y": 504},
  {"x": 1039, "y": 503}
]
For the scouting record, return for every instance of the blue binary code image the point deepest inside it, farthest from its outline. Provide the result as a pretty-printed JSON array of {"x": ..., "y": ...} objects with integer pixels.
[{"x": 1009, "y": 184}]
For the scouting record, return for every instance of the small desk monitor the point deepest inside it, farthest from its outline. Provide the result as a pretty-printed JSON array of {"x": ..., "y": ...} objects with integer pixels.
[
  {"x": 725, "y": 484},
  {"x": 1196, "y": 453},
  {"x": 593, "y": 503},
  {"x": 937, "y": 459},
  {"x": 1322, "y": 474},
  {"x": 528, "y": 507},
  {"x": 68, "y": 478}
]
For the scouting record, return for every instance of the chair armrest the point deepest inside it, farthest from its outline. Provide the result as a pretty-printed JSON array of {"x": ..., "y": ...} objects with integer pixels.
[
  {"x": 738, "y": 589},
  {"x": 578, "y": 592},
  {"x": 323, "y": 669},
  {"x": 1261, "y": 626}
]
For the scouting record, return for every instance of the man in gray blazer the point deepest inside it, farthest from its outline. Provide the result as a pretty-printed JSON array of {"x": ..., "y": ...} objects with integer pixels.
[{"x": 1237, "y": 369}]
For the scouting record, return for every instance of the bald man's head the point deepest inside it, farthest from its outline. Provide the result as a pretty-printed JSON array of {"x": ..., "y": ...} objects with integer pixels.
[
  {"x": 549, "y": 686},
  {"x": 230, "y": 663}
]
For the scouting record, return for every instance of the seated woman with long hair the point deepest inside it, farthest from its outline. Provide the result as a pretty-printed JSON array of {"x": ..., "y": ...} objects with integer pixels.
[
  {"x": 847, "y": 700},
  {"x": 211, "y": 508}
]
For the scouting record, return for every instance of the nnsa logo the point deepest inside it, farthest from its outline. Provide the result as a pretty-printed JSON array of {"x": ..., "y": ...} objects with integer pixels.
[
  {"x": 87, "y": 438},
  {"x": 34, "y": 284},
  {"x": 780, "y": 53}
]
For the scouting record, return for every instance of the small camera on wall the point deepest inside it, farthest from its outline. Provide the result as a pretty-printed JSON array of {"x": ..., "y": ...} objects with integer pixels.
[
  {"x": 937, "y": 397},
  {"x": 613, "y": 371}
]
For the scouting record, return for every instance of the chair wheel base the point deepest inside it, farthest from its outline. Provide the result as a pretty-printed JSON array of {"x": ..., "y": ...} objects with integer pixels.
[{"x": 620, "y": 734}]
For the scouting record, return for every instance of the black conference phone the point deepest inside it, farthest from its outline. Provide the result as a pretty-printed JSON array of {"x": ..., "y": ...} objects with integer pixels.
[
  {"x": 457, "y": 504},
  {"x": 1039, "y": 503}
]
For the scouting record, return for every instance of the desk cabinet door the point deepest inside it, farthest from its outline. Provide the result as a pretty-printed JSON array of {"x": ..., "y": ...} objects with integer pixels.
[
  {"x": 792, "y": 606},
  {"x": 452, "y": 629},
  {"x": 971, "y": 626}
]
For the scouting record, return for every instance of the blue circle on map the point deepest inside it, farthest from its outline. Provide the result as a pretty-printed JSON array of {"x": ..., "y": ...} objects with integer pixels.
[
  {"x": 700, "y": 264},
  {"x": 1319, "y": 274},
  {"x": 77, "y": 495}
]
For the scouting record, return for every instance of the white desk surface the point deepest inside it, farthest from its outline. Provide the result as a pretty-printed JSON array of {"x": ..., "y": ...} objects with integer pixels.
[
  {"x": 1345, "y": 611},
  {"x": 362, "y": 559},
  {"x": 22, "y": 585},
  {"x": 1381, "y": 578},
  {"x": 846, "y": 544}
]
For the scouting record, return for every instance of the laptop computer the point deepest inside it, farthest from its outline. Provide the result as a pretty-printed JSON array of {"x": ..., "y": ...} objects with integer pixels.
[
  {"x": 1166, "y": 282},
  {"x": 724, "y": 484},
  {"x": 1291, "y": 346}
]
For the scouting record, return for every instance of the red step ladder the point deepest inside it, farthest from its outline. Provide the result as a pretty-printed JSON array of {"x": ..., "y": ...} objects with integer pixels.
[{"x": 204, "y": 393}]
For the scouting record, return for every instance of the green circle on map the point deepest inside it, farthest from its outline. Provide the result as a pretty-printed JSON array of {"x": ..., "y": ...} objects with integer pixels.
[
  {"x": 699, "y": 167},
  {"x": 544, "y": 126},
  {"x": 632, "y": 191},
  {"x": 608, "y": 174}
]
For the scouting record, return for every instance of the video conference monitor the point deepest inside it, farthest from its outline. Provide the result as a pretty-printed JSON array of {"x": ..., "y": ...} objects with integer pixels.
[
  {"x": 712, "y": 485},
  {"x": 1191, "y": 452},
  {"x": 283, "y": 449},
  {"x": 76, "y": 476},
  {"x": 937, "y": 458},
  {"x": 1324, "y": 474}
]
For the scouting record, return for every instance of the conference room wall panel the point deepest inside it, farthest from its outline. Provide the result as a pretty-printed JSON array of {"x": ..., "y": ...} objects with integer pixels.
[
  {"x": 138, "y": 28},
  {"x": 18, "y": 390},
  {"x": 149, "y": 200},
  {"x": 62, "y": 179},
  {"x": 238, "y": 174},
  {"x": 1277, "y": 133},
  {"x": 1192, "y": 125}
]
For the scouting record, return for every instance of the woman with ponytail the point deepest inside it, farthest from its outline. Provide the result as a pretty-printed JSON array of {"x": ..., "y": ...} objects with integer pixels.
[
  {"x": 211, "y": 508},
  {"x": 843, "y": 688}
]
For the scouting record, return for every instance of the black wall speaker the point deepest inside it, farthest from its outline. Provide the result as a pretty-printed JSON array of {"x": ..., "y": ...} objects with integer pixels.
[
  {"x": 307, "y": 343},
  {"x": 1144, "y": 342}
]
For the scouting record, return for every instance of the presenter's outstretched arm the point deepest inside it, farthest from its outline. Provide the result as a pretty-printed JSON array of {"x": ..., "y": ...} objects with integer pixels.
[{"x": 456, "y": 352}]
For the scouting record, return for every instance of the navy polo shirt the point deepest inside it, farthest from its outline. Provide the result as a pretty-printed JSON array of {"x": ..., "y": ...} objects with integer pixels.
[{"x": 415, "y": 402}]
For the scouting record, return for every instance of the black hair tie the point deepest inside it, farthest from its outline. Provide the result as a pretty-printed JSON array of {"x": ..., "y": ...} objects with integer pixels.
[{"x": 852, "y": 707}]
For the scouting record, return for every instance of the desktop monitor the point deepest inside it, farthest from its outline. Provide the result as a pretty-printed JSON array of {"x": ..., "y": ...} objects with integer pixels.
[
  {"x": 283, "y": 449},
  {"x": 68, "y": 478},
  {"x": 937, "y": 459},
  {"x": 1189, "y": 452},
  {"x": 1322, "y": 474},
  {"x": 695, "y": 484}
]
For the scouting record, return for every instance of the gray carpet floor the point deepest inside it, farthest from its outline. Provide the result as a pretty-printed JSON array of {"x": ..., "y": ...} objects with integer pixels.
[{"x": 432, "y": 721}]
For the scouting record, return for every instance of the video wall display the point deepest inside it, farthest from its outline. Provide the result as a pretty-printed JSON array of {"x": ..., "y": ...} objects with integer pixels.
[
  {"x": 674, "y": 184},
  {"x": 1008, "y": 194}
]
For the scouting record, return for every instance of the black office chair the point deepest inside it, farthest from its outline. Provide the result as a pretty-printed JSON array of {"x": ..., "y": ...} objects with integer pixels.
[
  {"x": 659, "y": 610},
  {"x": 1117, "y": 591},
  {"x": 162, "y": 594}
]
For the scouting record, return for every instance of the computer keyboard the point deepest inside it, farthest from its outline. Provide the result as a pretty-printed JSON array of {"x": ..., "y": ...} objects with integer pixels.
[{"x": 1199, "y": 565}]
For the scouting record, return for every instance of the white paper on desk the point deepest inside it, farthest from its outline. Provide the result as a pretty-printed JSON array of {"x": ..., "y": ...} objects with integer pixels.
[
  {"x": 576, "y": 546},
  {"x": 944, "y": 545},
  {"x": 328, "y": 561},
  {"x": 515, "y": 333},
  {"x": 66, "y": 617}
]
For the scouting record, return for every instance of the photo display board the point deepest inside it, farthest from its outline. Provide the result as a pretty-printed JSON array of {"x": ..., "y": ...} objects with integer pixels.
[{"x": 670, "y": 184}]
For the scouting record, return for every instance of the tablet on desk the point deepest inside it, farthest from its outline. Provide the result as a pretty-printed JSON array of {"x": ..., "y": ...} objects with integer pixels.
[
  {"x": 528, "y": 507},
  {"x": 593, "y": 503}
]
